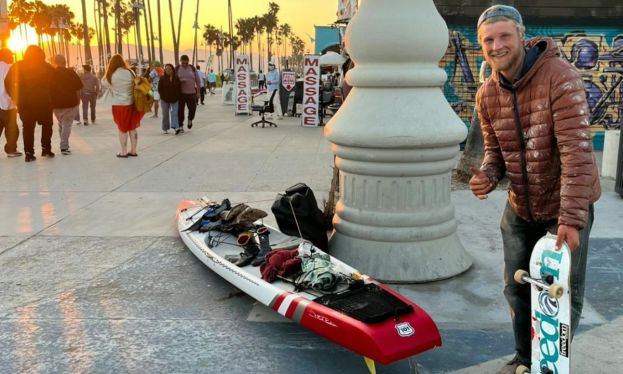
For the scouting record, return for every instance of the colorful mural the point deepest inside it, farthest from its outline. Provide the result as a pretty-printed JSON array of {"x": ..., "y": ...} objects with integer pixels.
[{"x": 596, "y": 53}]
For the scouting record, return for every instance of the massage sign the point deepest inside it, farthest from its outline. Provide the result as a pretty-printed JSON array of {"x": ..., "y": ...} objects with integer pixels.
[
  {"x": 311, "y": 90},
  {"x": 243, "y": 85}
]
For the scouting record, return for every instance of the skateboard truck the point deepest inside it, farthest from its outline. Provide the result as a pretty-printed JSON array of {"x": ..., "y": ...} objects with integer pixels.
[{"x": 554, "y": 291}]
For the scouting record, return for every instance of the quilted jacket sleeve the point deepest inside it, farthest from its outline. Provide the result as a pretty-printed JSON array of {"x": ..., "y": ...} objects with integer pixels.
[
  {"x": 493, "y": 162},
  {"x": 571, "y": 128}
]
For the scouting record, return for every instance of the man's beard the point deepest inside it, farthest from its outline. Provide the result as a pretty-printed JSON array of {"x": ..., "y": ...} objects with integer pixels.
[{"x": 507, "y": 62}]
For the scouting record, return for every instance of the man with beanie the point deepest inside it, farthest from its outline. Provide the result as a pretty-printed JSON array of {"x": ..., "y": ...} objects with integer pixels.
[
  {"x": 65, "y": 89},
  {"x": 534, "y": 118}
]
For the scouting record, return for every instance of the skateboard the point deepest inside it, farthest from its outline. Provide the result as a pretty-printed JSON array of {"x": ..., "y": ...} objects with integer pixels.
[{"x": 550, "y": 306}]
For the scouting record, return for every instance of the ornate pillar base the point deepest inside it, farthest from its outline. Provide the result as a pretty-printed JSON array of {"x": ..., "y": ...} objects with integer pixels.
[{"x": 403, "y": 262}]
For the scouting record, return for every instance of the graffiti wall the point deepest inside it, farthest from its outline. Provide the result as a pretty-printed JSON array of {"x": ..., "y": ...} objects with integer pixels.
[{"x": 596, "y": 53}]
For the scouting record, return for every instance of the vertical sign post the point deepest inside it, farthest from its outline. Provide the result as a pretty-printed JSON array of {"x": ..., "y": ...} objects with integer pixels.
[
  {"x": 311, "y": 90},
  {"x": 243, "y": 85}
]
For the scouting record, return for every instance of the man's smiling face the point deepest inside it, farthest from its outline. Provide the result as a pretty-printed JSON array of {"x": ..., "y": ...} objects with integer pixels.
[{"x": 502, "y": 46}]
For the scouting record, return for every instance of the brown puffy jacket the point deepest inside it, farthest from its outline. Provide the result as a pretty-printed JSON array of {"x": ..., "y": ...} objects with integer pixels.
[{"x": 552, "y": 169}]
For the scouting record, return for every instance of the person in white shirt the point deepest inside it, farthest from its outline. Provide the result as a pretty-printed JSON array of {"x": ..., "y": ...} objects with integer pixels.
[
  {"x": 8, "y": 112},
  {"x": 120, "y": 83},
  {"x": 273, "y": 79}
]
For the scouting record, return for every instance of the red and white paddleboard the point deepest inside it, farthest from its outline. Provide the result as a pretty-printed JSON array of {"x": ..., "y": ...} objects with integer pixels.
[{"x": 385, "y": 342}]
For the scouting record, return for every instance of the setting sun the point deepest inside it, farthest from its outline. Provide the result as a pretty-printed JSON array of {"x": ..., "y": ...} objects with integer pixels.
[{"x": 21, "y": 38}]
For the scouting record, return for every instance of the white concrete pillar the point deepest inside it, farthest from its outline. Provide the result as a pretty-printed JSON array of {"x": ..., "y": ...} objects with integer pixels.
[
  {"x": 396, "y": 139},
  {"x": 610, "y": 158}
]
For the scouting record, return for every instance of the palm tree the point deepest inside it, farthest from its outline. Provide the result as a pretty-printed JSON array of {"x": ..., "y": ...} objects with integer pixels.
[
  {"x": 20, "y": 14},
  {"x": 118, "y": 31},
  {"x": 151, "y": 31},
  {"x": 40, "y": 21},
  {"x": 211, "y": 36},
  {"x": 270, "y": 21},
  {"x": 126, "y": 22},
  {"x": 160, "y": 33},
  {"x": 85, "y": 35},
  {"x": 259, "y": 26},
  {"x": 298, "y": 50},
  {"x": 285, "y": 31},
  {"x": 176, "y": 37},
  {"x": 147, "y": 28},
  {"x": 106, "y": 33}
]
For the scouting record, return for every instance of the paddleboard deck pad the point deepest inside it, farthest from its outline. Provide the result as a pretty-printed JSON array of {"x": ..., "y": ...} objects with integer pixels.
[{"x": 360, "y": 314}]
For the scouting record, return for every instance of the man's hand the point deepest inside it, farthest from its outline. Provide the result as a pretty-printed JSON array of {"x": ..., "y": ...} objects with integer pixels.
[
  {"x": 479, "y": 183},
  {"x": 569, "y": 235}
]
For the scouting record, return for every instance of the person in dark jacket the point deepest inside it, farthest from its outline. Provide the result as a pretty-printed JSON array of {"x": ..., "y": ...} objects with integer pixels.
[
  {"x": 534, "y": 119},
  {"x": 169, "y": 90},
  {"x": 28, "y": 83},
  {"x": 65, "y": 90}
]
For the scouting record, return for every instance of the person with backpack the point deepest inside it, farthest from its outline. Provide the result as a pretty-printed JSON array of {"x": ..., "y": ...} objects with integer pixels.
[
  {"x": 189, "y": 92},
  {"x": 169, "y": 90},
  {"x": 120, "y": 83}
]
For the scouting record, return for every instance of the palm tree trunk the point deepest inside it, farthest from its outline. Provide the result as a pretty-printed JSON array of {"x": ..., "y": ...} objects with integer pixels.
[
  {"x": 160, "y": 33},
  {"x": 98, "y": 32},
  {"x": 148, "y": 45},
  {"x": 179, "y": 29},
  {"x": 106, "y": 33},
  {"x": 127, "y": 43},
  {"x": 176, "y": 51},
  {"x": 151, "y": 31},
  {"x": 119, "y": 31},
  {"x": 85, "y": 35}
]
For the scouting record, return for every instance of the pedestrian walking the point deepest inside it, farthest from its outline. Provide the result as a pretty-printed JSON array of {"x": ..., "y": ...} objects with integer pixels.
[
  {"x": 212, "y": 82},
  {"x": 261, "y": 80},
  {"x": 65, "y": 90},
  {"x": 154, "y": 75},
  {"x": 8, "y": 113},
  {"x": 88, "y": 95},
  {"x": 169, "y": 89},
  {"x": 534, "y": 119},
  {"x": 202, "y": 80},
  {"x": 28, "y": 84},
  {"x": 120, "y": 83},
  {"x": 190, "y": 86}
]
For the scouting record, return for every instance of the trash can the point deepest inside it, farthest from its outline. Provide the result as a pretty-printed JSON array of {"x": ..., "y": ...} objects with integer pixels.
[{"x": 618, "y": 184}]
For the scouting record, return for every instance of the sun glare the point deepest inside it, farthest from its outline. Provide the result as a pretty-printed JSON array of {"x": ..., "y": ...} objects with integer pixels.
[
  {"x": 17, "y": 44},
  {"x": 19, "y": 40}
]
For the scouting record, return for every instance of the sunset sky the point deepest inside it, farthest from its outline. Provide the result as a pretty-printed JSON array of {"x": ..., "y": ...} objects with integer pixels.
[{"x": 302, "y": 15}]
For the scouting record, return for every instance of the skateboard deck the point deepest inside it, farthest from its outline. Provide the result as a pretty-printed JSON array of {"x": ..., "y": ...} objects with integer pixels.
[{"x": 550, "y": 306}]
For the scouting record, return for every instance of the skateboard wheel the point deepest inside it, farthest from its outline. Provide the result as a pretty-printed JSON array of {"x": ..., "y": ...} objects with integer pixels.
[
  {"x": 521, "y": 369},
  {"x": 519, "y": 275},
  {"x": 555, "y": 291}
]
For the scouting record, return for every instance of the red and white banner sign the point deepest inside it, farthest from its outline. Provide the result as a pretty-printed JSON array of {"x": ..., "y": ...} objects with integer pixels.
[
  {"x": 311, "y": 90},
  {"x": 288, "y": 78},
  {"x": 243, "y": 85}
]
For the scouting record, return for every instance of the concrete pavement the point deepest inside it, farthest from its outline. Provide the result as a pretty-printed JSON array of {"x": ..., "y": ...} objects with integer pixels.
[{"x": 94, "y": 278}]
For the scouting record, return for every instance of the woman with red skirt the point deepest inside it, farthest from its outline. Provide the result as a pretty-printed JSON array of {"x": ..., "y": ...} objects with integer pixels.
[{"x": 120, "y": 82}]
